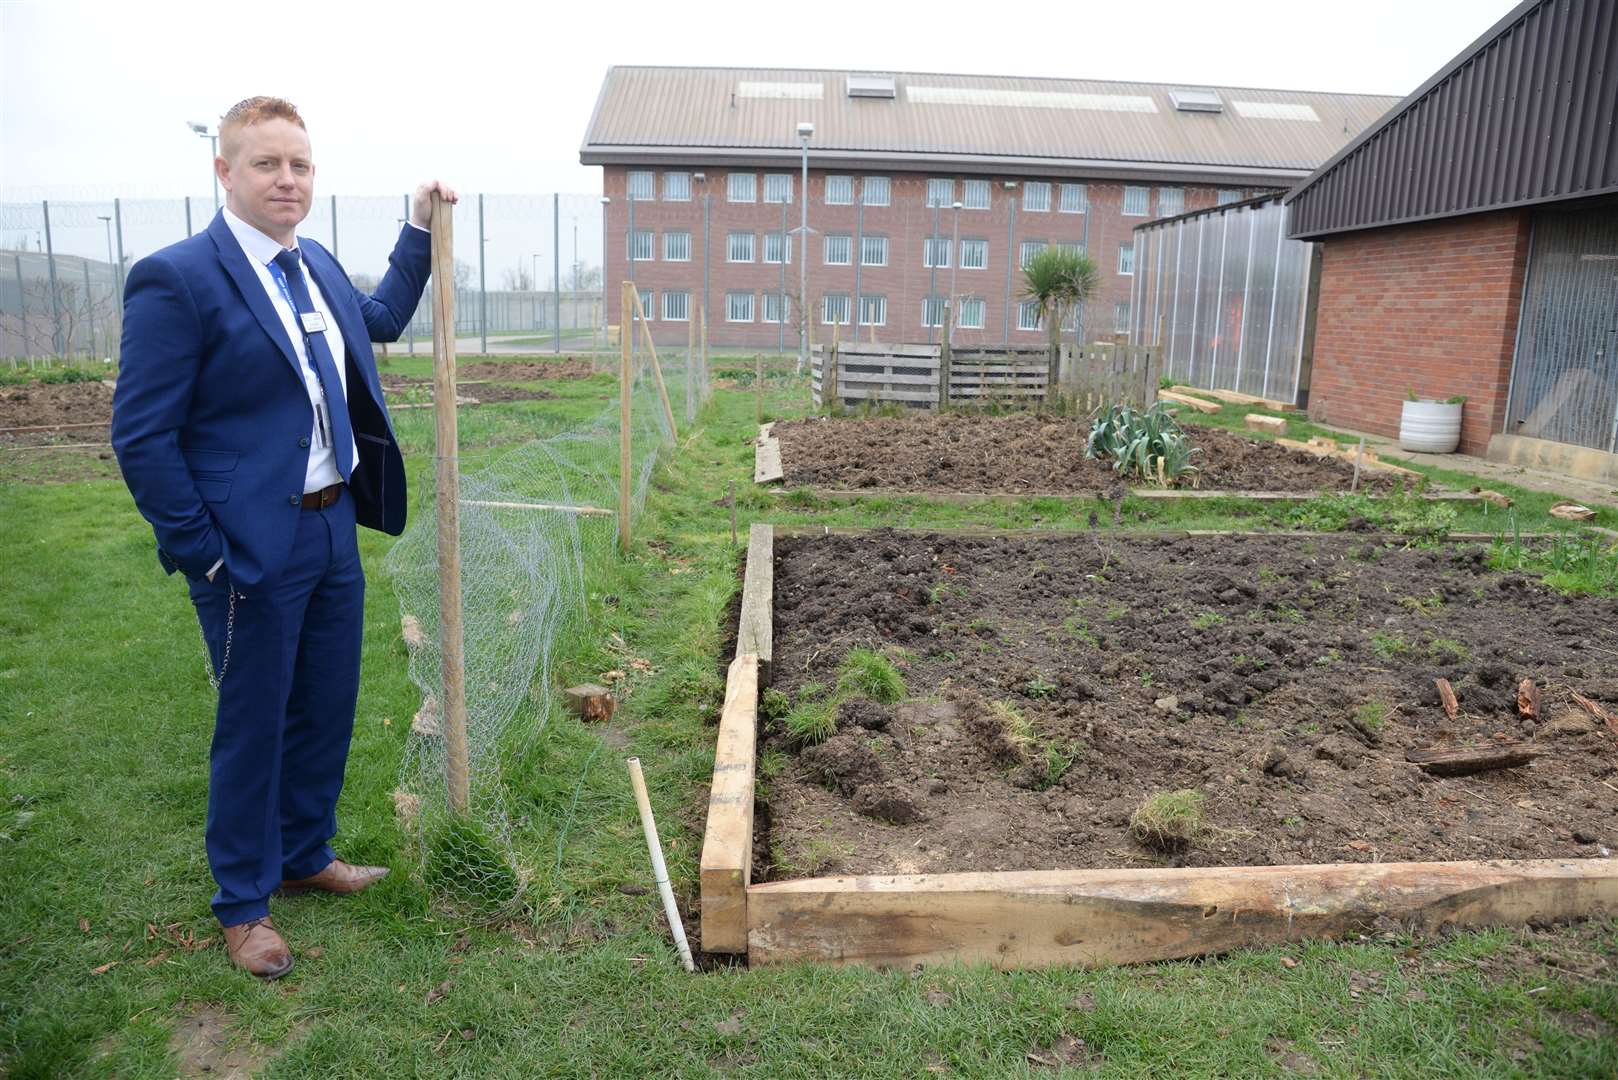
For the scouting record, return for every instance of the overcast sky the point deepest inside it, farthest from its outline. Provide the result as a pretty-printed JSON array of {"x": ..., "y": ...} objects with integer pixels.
[{"x": 496, "y": 98}]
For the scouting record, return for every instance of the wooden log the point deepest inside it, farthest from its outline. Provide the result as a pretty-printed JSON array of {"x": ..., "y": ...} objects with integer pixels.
[
  {"x": 1596, "y": 710},
  {"x": 727, "y": 842},
  {"x": 1274, "y": 425},
  {"x": 1097, "y": 917},
  {"x": 590, "y": 702},
  {"x": 1465, "y": 760},
  {"x": 755, "y": 632},
  {"x": 1528, "y": 699},
  {"x": 1446, "y": 695},
  {"x": 1236, "y": 397},
  {"x": 451, "y": 640},
  {"x": 40, "y": 429},
  {"x": 1186, "y": 399}
]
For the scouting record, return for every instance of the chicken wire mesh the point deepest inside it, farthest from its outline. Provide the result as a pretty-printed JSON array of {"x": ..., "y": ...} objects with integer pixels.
[{"x": 538, "y": 534}]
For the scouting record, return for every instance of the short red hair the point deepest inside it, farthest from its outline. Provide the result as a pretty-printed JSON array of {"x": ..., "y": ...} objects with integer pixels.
[{"x": 251, "y": 111}]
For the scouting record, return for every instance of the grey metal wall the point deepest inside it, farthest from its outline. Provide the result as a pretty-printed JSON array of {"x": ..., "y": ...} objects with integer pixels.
[
  {"x": 1524, "y": 115},
  {"x": 1564, "y": 382},
  {"x": 1224, "y": 294}
]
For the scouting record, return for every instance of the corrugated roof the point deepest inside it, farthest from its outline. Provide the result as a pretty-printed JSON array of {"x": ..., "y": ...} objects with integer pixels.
[
  {"x": 1523, "y": 115},
  {"x": 652, "y": 114}
]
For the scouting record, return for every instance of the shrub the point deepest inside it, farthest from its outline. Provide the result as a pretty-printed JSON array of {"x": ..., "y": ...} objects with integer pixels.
[{"x": 1149, "y": 445}]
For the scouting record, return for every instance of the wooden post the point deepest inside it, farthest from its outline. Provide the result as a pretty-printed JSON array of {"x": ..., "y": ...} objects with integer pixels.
[
  {"x": 758, "y": 384},
  {"x": 625, "y": 480},
  {"x": 451, "y": 642},
  {"x": 945, "y": 356},
  {"x": 830, "y": 363},
  {"x": 705, "y": 365},
  {"x": 690, "y": 366},
  {"x": 657, "y": 368}
]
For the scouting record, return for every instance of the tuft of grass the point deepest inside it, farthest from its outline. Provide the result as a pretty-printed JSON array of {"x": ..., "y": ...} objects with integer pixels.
[
  {"x": 1039, "y": 687},
  {"x": 1169, "y": 820},
  {"x": 1389, "y": 646},
  {"x": 868, "y": 673},
  {"x": 1206, "y": 619},
  {"x": 1015, "y": 728},
  {"x": 773, "y": 704},
  {"x": 812, "y": 722},
  {"x": 1371, "y": 715}
]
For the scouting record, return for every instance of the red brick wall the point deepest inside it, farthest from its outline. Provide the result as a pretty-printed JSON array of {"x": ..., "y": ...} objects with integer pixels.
[
  {"x": 1427, "y": 307},
  {"x": 904, "y": 281}
]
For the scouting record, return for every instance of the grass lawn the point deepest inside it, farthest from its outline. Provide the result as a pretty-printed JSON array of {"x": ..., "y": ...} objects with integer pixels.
[{"x": 107, "y": 716}]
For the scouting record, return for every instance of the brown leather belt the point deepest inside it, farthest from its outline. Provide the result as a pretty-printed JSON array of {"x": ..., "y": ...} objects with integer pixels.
[{"x": 319, "y": 500}]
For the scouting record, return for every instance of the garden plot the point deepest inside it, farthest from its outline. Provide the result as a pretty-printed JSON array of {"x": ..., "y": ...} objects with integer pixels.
[
  {"x": 1029, "y": 454},
  {"x": 1066, "y": 749}
]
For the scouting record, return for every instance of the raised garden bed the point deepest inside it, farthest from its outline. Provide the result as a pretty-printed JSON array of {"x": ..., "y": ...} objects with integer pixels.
[
  {"x": 1026, "y": 454},
  {"x": 1054, "y": 684}
]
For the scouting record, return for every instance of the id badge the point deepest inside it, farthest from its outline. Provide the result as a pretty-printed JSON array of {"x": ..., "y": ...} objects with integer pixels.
[
  {"x": 322, "y": 427},
  {"x": 313, "y": 322}
]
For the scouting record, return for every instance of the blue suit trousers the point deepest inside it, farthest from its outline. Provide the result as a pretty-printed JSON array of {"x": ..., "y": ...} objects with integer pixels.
[{"x": 286, "y": 711}]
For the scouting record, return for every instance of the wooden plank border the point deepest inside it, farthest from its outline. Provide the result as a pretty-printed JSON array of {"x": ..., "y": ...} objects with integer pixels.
[
  {"x": 961, "y": 498},
  {"x": 727, "y": 842},
  {"x": 1027, "y": 919},
  {"x": 755, "y": 632},
  {"x": 1094, "y": 917}
]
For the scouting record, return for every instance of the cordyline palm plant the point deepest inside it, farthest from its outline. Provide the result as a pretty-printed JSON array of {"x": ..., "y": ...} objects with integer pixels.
[{"x": 1060, "y": 280}]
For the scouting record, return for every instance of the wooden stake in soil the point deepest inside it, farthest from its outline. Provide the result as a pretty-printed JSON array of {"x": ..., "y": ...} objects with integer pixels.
[
  {"x": 657, "y": 368},
  {"x": 1359, "y": 457},
  {"x": 447, "y": 475},
  {"x": 1446, "y": 694},
  {"x": 1528, "y": 699},
  {"x": 625, "y": 481}
]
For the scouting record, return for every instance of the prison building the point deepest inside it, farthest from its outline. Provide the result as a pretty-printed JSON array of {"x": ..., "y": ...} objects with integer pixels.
[
  {"x": 921, "y": 188},
  {"x": 1468, "y": 246}
]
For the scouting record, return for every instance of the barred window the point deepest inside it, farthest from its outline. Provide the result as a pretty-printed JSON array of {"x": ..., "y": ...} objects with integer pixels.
[
  {"x": 775, "y": 307},
  {"x": 1170, "y": 201},
  {"x": 974, "y": 254},
  {"x": 777, "y": 248},
  {"x": 777, "y": 187},
  {"x": 1126, "y": 258},
  {"x": 873, "y": 310},
  {"x": 941, "y": 191},
  {"x": 1120, "y": 315},
  {"x": 676, "y": 187},
  {"x": 1028, "y": 315},
  {"x": 741, "y": 187},
  {"x": 641, "y": 185},
  {"x": 740, "y": 247},
  {"x": 648, "y": 305},
  {"x": 976, "y": 195},
  {"x": 1036, "y": 195},
  {"x": 739, "y": 307},
  {"x": 839, "y": 190},
  {"x": 676, "y": 306},
  {"x": 932, "y": 310},
  {"x": 972, "y": 313},
  {"x": 1075, "y": 199},
  {"x": 873, "y": 250},
  {"x": 1028, "y": 250},
  {"x": 1137, "y": 201},
  {"x": 935, "y": 251},
  {"x": 1069, "y": 248},
  {"x": 834, "y": 309},
  {"x": 640, "y": 245},
  {"x": 876, "y": 190},
  {"x": 839, "y": 250},
  {"x": 676, "y": 247}
]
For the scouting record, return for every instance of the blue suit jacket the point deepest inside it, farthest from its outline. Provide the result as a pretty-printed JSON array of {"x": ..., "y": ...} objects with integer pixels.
[{"x": 210, "y": 418}]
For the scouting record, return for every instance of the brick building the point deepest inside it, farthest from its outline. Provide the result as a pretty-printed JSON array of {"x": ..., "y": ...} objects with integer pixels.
[
  {"x": 1469, "y": 246},
  {"x": 921, "y": 188}
]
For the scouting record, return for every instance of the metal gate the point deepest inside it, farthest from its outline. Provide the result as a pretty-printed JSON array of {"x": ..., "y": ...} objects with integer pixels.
[{"x": 1564, "y": 380}]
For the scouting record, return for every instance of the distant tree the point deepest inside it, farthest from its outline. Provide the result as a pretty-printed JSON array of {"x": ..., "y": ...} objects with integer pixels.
[
  {"x": 463, "y": 274},
  {"x": 84, "y": 326},
  {"x": 517, "y": 279}
]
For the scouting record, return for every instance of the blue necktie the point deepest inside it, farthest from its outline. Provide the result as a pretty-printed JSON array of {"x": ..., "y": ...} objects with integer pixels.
[{"x": 321, "y": 359}]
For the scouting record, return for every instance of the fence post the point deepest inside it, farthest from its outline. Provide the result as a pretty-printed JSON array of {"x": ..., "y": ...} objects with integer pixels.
[
  {"x": 690, "y": 365},
  {"x": 556, "y": 263},
  {"x": 22, "y": 302},
  {"x": 626, "y": 333},
  {"x": 188, "y": 231},
  {"x": 89, "y": 312},
  {"x": 118, "y": 230},
  {"x": 56, "y": 300},
  {"x": 483, "y": 289},
  {"x": 946, "y": 356},
  {"x": 705, "y": 344},
  {"x": 451, "y": 640}
]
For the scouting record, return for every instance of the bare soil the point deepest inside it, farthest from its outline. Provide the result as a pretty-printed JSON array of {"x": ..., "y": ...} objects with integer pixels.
[
  {"x": 1023, "y": 453},
  {"x": 410, "y": 388},
  {"x": 526, "y": 371},
  {"x": 33, "y": 404},
  {"x": 1282, "y": 678}
]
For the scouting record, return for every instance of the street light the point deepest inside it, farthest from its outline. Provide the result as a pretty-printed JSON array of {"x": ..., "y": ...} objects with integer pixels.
[
  {"x": 213, "y": 142},
  {"x": 805, "y": 131},
  {"x": 955, "y": 261}
]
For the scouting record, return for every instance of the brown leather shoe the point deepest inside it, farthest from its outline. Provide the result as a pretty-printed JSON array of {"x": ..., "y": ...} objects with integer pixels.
[
  {"x": 338, "y": 877},
  {"x": 257, "y": 948}
]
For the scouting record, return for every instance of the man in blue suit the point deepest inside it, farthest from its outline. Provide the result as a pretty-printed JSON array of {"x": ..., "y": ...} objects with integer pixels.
[{"x": 249, "y": 423}]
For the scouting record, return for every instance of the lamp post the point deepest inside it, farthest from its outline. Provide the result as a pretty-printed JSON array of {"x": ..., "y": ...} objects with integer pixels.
[
  {"x": 213, "y": 144},
  {"x": 534, "y": 282},
  {"x": 955, "y": 261},
  {"x": 805, "y": 131}
]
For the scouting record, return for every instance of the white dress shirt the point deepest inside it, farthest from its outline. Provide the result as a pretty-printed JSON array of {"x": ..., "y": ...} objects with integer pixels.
[{"x": 261, "y": 250}]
